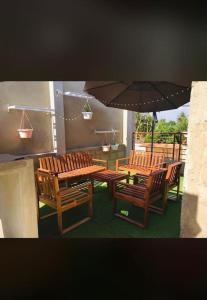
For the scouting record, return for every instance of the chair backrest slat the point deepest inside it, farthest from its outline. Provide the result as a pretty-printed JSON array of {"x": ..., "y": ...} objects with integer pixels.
[
  {"x": 144, "y": 158},
  {"x": 67, "y": 162},
  {"x": 156, "y": 180},
  {"x": 46, "y": 186},
  {"x": 173, "y": 172}
]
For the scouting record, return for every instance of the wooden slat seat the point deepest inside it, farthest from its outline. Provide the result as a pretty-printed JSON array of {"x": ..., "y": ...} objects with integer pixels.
[
  {"x": 80, "y": 172},
  {"x": 137, "y": 169}
]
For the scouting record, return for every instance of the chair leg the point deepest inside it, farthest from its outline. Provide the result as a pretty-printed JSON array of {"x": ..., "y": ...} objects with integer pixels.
[
  {"x": 146, "y": 217},
  {"x": 114, "y": 205},
  {"x": 178, "y": 190},
  {"x": 92, "y": 183},
  {"x": 60, "y": 220},
  {"x": 135, "y": 179},
  {"x": 90, "y": 208},
  {"x": 164, "y": 199}
]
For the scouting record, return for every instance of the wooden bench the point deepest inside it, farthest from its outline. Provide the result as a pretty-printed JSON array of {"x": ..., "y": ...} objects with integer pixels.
[
  {"x": 140, "y": 161},
  {"x": 72, "y": 165}
]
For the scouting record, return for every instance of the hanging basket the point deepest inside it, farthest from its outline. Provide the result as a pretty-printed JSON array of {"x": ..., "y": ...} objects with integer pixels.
[
  {"x": 25, "y": 133},
  {"x": 87, "y": 115},
  {"x": 87, "y": 112}
]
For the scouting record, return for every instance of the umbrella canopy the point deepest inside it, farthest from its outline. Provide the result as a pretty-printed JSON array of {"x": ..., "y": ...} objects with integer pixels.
[{"x": 140, "y": 96}]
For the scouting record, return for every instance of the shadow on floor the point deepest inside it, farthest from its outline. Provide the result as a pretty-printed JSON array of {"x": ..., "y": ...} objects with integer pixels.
[{"x": 189, "y": 225}]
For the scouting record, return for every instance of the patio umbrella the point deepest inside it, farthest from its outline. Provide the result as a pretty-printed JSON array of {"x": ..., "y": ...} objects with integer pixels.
[{"x": 141, "y": 96}]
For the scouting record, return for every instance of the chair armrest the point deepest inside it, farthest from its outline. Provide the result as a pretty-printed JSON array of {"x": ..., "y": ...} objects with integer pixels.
[
  {"x": 119, "y": 160},
  {"x": 123, "y": 158},
  {"x": 102, "y": 161},
  {"x": 47, "y": 171}
]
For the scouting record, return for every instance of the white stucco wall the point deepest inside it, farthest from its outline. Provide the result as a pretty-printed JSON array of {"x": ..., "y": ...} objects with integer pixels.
[
  {"x": 194, "y": 204},
  {"x": 18, "y": 202}
]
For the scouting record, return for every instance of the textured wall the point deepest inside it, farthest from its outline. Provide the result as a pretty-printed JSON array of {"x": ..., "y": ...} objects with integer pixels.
[
  {"x": 80, "y": 132},
  {"x": 18, "y": 205},
  {"x": 29, "y": 93},
  {"x": 194, "y": 204}
]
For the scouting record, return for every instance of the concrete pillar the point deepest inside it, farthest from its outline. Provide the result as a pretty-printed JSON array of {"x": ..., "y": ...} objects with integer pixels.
[
  {"x": 194, "y": 203},
  {"x": 58, "y": 123},
  {"x": 128, "y": 128},
  {"x": 18, "y": 201}
]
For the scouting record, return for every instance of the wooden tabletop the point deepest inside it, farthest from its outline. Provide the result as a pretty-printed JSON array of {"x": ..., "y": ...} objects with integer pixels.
[{"x": 109, "y": 175}]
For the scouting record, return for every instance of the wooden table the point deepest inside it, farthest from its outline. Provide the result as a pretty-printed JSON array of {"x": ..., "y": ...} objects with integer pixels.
[{"x": 108, "y": 176}]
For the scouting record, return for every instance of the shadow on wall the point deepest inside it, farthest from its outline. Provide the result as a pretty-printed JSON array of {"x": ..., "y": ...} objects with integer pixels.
[{"x": 189, "y": 216}]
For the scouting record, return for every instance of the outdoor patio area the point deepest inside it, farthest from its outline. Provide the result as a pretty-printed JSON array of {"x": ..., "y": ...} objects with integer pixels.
[
  {"x": 79, "y": 161},
  {"x": 105, "y": 225}
]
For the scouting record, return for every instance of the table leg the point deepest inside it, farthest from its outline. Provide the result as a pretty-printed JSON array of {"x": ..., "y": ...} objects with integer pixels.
[
  {"x": 110, "y": 185},
  {"x": 135, "y": 179},
  {"x": 128, "y": 177},
  {"x": 92, "y": 183}
]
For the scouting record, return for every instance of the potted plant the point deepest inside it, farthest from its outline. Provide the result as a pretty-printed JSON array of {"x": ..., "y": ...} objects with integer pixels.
[
  {"x": 87, "y": 112},
  {"x": 25, "y": 133}
]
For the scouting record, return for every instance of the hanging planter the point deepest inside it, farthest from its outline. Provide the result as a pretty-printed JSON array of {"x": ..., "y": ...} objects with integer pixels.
[
  {"x": 25, "y": 133},
  {"x": 87, "y": 115},
  {"x": 87, "y": 112},
  {"x": 106, "y": 148},
  {"x": 114, "y": 147}
]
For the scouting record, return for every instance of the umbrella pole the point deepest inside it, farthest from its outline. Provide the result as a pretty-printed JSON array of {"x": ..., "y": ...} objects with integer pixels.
[
  {"x": 153, "y": 129},
  {"x": 152, "y": 140}
]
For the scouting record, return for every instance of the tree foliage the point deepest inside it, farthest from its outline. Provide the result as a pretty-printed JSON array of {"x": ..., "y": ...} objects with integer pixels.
[{"x": 144, "y": 124}]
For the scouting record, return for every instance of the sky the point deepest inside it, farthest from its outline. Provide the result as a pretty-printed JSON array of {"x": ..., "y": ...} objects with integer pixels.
[{"x": 171, "y": 115}]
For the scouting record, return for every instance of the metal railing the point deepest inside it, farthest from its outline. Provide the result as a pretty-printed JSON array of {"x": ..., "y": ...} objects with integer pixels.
[{"x": 172, "y": 144}]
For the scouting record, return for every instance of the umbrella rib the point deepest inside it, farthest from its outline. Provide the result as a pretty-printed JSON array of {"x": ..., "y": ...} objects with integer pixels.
[
  {"x": 118, "y": 95},
  {"x": 158, "y": 90},
  {"x": 178, "y": 85},
  {"x": 100, "y": 86}
]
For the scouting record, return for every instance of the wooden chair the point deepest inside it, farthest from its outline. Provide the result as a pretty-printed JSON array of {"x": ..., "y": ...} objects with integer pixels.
[
  {"x": 62, "y": 199},
  {"x": 142, "y": 196},
  {"x": 140, "y": 160},
  {"x": 173, "y": 178}
]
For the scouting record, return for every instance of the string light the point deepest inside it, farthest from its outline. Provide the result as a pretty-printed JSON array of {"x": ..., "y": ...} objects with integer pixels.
[{"x": 112, "y": 104}]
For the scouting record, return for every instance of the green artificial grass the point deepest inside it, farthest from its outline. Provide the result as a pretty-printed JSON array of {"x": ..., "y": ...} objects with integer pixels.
[{"x": 105, "y": 225}]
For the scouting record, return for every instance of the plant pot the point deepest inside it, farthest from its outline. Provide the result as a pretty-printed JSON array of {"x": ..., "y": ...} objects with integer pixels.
[
  {"x": 115, "y": 147},
  {"x": 106, "y": 148},
  {"x": 25, "y": 133},
  {"x": 87, "y": 115}
]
